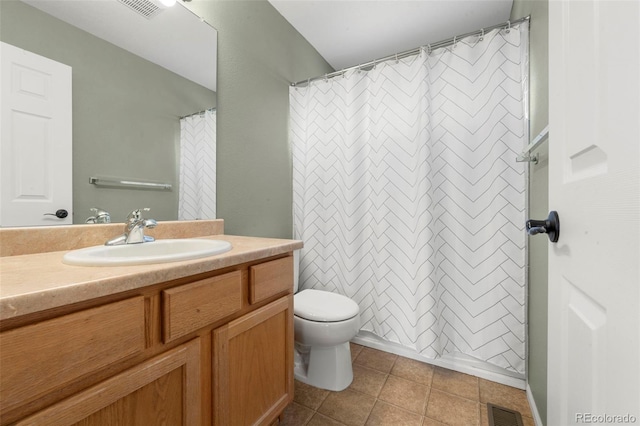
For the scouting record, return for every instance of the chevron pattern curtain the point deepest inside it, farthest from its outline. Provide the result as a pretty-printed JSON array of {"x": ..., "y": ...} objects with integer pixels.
[
  {"x": 197, "y": 196},
  {"x": 409, "y": 200}
]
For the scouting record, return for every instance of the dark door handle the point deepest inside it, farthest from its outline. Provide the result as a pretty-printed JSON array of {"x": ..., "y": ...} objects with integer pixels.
[
  {"x": 60, "y": 214},
  {"x": 549, "y": 226}
]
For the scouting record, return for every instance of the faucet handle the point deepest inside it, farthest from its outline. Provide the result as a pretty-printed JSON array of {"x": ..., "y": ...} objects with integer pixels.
[
  {"x": 100, "y": 216},
  {"x": 137, "y": 214}
]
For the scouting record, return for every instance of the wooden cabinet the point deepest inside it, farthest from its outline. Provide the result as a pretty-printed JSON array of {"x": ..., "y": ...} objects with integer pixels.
[
  {"x": 164, "y": 390},
  {"x": 253, "y": 366},
  {"x": 192, "y": 306},
  {"x": 216, "y": 348},
  {"x": 269, "y": 278},
  {"x": 43, "y": 357}
]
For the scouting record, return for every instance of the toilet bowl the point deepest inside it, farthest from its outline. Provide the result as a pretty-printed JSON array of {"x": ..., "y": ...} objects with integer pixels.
[{"x": 324, "y": 322}]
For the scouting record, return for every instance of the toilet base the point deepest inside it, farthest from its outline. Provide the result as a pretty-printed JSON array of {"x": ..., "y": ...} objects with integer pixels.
[{"x": 325, "y": 367}]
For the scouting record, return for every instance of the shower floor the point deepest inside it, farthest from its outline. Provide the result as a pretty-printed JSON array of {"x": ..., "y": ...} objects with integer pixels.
[{"x": 388, "y": 389}]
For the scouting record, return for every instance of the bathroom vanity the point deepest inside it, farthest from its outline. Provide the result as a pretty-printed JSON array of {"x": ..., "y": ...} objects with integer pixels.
[{"x": 200, "y": 342}]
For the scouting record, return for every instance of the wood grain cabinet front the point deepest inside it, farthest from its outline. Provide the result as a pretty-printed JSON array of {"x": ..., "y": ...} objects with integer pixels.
[
  {"x": 164, "y": 390},
  {"x": 270, "y": 278},
  {"x": 189, "y": 307},
  {"x": 43, "y": 357},
  {"x": 215, "y": 348},
  {"x": 253, "y": 366}
]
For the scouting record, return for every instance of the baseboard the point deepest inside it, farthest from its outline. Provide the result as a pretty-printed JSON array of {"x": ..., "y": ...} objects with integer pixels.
[
  {"x": 534, "y": 408},
  {"x": 467, "y": 366}
]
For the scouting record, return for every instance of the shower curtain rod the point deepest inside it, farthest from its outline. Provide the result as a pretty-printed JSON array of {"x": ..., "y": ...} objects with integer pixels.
[
  {"x": 199, "y": 112},
  {"x": 415, "y": 51}
]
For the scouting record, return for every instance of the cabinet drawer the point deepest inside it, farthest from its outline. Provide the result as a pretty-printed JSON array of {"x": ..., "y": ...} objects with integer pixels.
[
  {"x": 165, "y": 390},
  {"x": 192, "y": 306},
  {"x": 36, "y": 359},
  {"x": 270, "y": 278}
]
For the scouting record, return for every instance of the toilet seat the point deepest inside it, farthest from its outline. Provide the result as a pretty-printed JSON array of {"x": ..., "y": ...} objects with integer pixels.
[{"x": 324, "y": 306}]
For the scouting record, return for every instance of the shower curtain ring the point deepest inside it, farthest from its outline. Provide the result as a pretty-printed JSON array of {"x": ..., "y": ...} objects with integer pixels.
[
  {"x": 482, "y": 36},
  {"x": 454, "y": 41},
  {"x": 397, "y": 58},
  {"x": 429, "y": 49},
  {"x": 508, "y": 27}
]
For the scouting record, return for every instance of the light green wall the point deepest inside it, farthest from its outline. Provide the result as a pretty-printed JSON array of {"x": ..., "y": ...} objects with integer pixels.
[
  {"x": 259, "y": 54},
  {"x": 538, "y": 196},
  {"x": 125, "y": 112}
]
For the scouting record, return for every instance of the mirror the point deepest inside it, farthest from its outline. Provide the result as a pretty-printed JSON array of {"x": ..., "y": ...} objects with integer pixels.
[{"x": 133, "y": 78}]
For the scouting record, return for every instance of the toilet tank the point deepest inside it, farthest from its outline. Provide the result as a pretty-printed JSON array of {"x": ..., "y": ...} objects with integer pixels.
[{"x": 296, "y": 270}]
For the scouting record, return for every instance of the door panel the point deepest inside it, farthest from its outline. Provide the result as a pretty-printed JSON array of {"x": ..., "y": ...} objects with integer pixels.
[
  {"x": 36, "y": 139},
  {"x": 594, "y": 184}
]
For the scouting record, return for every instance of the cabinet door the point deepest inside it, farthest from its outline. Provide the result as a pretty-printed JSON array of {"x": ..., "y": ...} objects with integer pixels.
[
  {"x": 253, "y": 366},
  {"x": 41, "y": 358},
  {"x": 164, "y": 390}
]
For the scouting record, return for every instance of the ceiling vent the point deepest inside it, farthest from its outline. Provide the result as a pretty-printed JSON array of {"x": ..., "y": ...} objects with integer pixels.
[{"x": 147, "y": 8}]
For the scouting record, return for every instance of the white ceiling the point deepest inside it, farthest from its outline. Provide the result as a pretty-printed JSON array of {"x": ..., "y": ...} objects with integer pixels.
[
  {"x": 175, "y": 38},
  {"x": 345, "y": 32},
  {"x": 351, "y": 32}
]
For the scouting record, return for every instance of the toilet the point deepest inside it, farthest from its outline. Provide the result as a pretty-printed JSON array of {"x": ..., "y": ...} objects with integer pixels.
[{"x": 324, "y": 323}]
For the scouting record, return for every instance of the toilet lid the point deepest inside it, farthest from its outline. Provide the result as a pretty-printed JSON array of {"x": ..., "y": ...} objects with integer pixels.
[{"x": 324, "y": 306}]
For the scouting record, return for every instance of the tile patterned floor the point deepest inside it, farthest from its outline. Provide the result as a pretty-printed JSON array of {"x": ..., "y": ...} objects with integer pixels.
[{"x": 391, "y": 390}]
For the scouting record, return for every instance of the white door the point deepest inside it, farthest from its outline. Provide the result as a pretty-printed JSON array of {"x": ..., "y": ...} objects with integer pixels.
[
  {"x": 35, "y": 139},
  {"x": 594, "y": 184}
]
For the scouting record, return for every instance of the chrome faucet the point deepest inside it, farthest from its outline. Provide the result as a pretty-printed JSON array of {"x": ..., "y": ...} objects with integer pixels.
[
  {"x": 134, "y": 229},
  {"x": 99, "y": 216}
]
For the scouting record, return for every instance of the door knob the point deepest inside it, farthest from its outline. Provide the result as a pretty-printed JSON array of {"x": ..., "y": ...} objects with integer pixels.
[
  {"x": 549, "y": 226},
  {"x": 60, "y": 214}
]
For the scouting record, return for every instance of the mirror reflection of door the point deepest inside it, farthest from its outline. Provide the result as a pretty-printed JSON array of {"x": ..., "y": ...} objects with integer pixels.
[
  {"x": 133, "y": 79},
  {"x": 35, "y": 140}
]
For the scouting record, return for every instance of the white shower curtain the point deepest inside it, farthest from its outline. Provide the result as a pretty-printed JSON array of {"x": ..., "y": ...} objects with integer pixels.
[
  {"x": 409, "y": 200},
  {"x": 197, "y": 196}
]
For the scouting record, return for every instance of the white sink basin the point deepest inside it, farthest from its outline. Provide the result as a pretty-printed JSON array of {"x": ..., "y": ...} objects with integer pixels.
[{"x": 159, "y": 251}]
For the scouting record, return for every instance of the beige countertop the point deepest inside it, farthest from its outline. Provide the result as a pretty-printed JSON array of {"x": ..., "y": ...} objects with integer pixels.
[{"x": 36, "y": 282}]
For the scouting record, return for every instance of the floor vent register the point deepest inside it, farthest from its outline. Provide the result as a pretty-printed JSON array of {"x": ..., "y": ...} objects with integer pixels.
[{"x": 500, "y": 416}]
